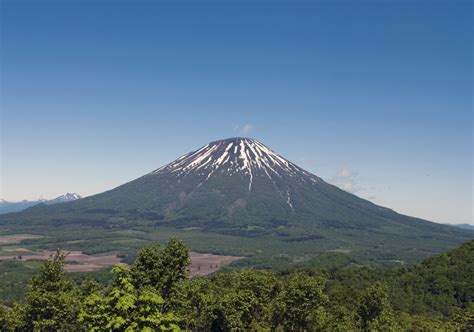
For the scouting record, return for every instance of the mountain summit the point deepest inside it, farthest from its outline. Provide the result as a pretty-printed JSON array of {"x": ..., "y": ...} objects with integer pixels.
[
  {"x": 68, "y": 197},
  {"x": 245, "y": 158},
  {"x": 236, "y": 191},
  {"x": 235, "y": 156}
]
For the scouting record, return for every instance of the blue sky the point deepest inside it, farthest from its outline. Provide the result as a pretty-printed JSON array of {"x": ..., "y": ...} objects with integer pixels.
[{"x": 375, "y": 96}]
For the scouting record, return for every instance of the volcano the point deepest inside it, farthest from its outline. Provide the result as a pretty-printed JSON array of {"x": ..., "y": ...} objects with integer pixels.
[{"x": 238, "y": 188}]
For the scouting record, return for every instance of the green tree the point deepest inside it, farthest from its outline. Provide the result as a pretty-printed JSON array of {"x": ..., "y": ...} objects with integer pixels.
[
  {"x": 236, "y": 300},
  {"x": 3, "y": 315},
  {"x": 465, "y": 318},
  {"x": 161, "y": 268},
  {"x": 340, "y": 318},
  {"x": 88, "y": 287},
  {"x": 246, "y": 304},
  {"x": 14, "y": 319},
  {"x": 125, "y": 308},
  {"x": 374, "y": 309},
  {"x": 51, "y": 302},
  {"x": 194, "y": 303},
  {"x": 300, "y": 304},
  {"x": 232, "y": 311}
]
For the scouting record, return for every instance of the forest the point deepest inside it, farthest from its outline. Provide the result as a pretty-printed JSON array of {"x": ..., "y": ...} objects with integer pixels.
[{"x": 155, "y": 293}]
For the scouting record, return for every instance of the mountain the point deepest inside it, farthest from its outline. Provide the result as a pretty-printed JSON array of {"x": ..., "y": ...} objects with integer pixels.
[
  {"x": 68, "y": 197},
  {"x": 9, "y": 207},
  {"x": 238, "y": 196},
  {"x": 464, "y": 226}
]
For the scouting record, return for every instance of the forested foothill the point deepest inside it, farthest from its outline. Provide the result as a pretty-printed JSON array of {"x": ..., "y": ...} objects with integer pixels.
[{"x": 156, "y": 293}]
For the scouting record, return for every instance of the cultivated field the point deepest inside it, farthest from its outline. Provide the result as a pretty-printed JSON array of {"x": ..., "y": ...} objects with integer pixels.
[
  {"x": 203, "y": 264},
  {"x": 76, "y": 261},
  {"x": 17, "y": 238}
]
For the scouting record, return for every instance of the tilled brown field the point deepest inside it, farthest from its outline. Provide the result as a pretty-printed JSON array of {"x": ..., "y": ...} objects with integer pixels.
[
  {"x": 203, "y": 264},
  {"x": 11, "y": 239},
  {"x": 76, "y": 261}
]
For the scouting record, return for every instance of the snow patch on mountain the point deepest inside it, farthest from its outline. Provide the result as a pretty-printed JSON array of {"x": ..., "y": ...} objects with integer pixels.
[
  {"x": 232, "y": 156},
  {"x": 65, "y": 198}
]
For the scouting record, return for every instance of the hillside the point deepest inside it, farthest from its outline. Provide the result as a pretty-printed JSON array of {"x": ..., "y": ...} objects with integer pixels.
[
  {"x": 436, "y": 295},
  {"x": 237, "y": 196},
  {"x": 440, "y": 286}
]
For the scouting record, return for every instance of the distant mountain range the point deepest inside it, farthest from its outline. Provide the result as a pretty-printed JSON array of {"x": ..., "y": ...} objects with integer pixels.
[
  {"x": 9, "y": 207},
  {"x": 464, "y": 226},
  {"x": 238, "y": 196}
]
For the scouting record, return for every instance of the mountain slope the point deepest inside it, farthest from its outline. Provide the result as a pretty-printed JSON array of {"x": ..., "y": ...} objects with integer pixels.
[{"x": 241, "y": 189}]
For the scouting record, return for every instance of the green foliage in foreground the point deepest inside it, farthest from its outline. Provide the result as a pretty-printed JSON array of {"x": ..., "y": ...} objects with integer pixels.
[
  {"x": 156, "y": 294},
  {"x": 125, "y": 308},
  {"x": 161, "y": 268}
]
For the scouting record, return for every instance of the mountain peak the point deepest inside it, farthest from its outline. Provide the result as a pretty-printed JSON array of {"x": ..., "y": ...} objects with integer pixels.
[
  {"x": 7, "y": 207},
  {"x": 231, "y": 156},
  {"x": 68, "y": 197},
  {"x": 235, "y": 140}
]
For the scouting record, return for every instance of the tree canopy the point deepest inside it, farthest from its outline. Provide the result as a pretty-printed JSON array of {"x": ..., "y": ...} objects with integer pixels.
[{"x": 155, "y": 294}]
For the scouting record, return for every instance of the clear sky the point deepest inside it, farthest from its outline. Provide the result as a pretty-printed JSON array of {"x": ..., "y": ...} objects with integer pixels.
[{"x": 373, "y": 96}]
